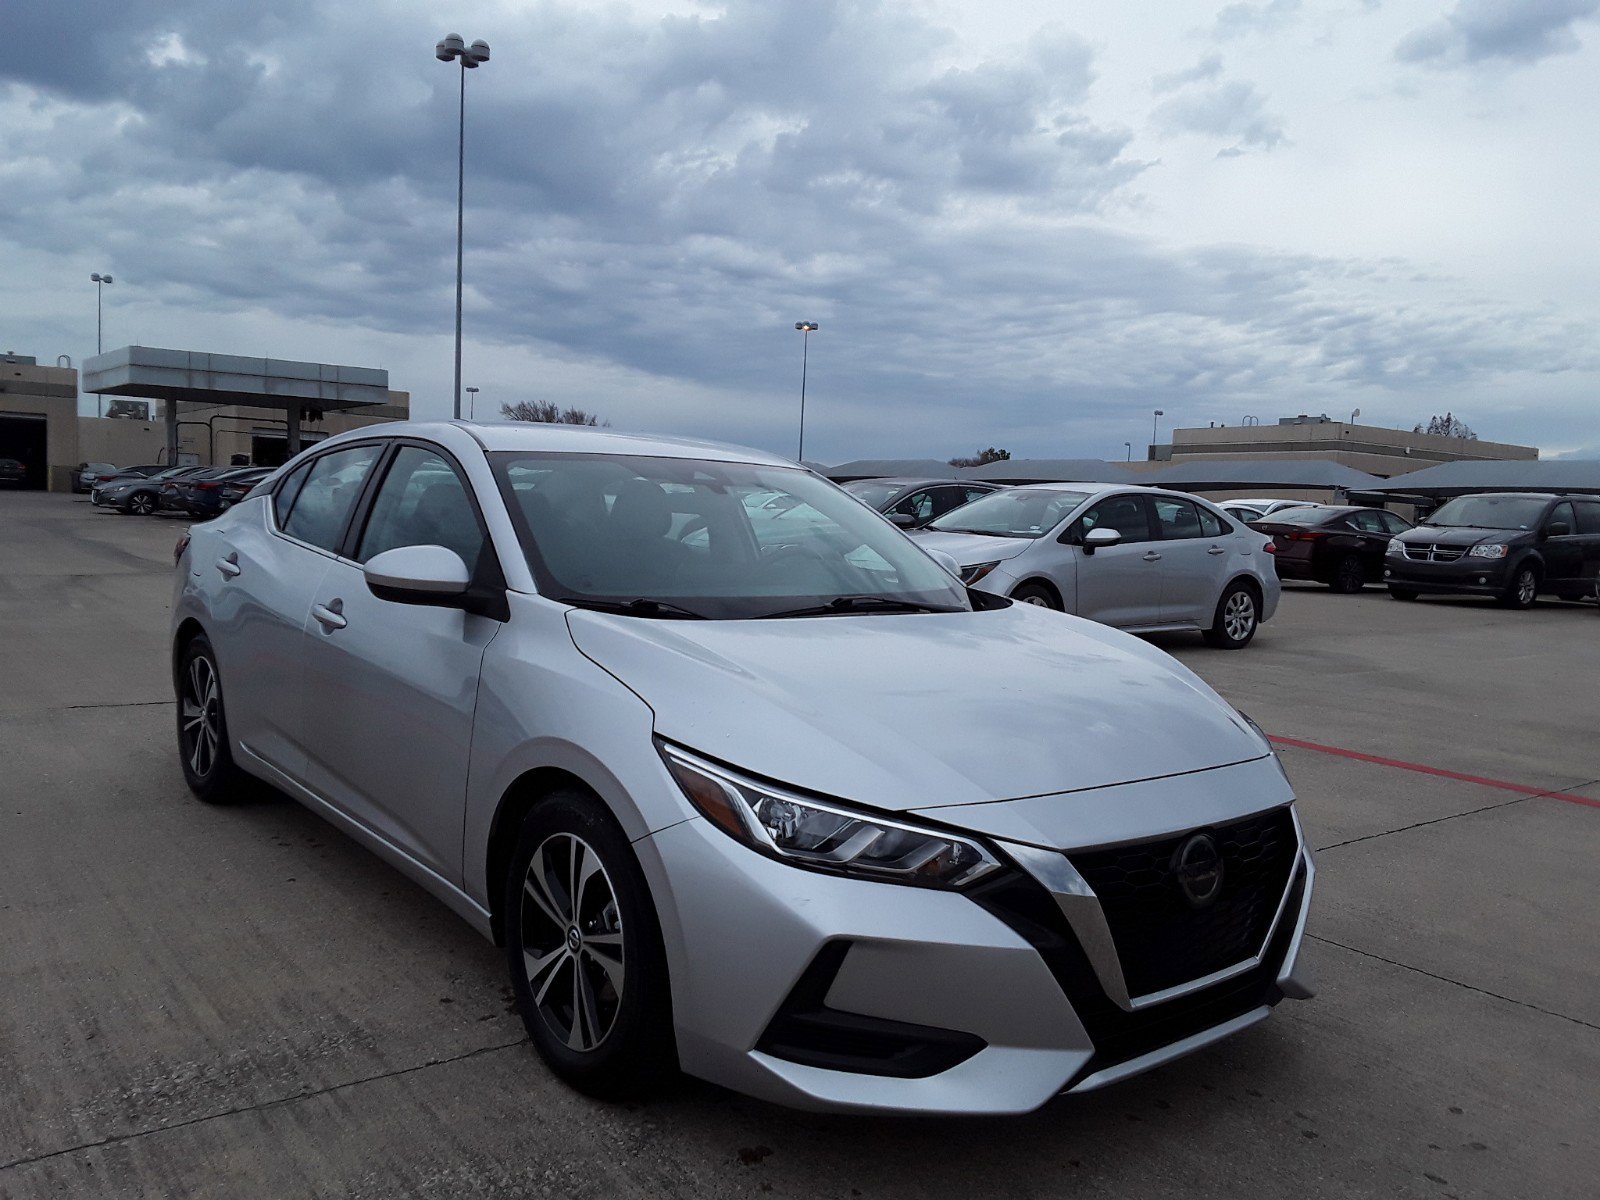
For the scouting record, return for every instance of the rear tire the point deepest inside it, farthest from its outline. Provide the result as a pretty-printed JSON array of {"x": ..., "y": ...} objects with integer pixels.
[
  {"x": 1349, "y": 575},
  {"x": 1523, "y": 589},
  {"x": 204, "y": 750},
  {"x": 590, "y": 978},
  {"x": 1237, "y": 619},
  {"x": 1036, "y": 594}
]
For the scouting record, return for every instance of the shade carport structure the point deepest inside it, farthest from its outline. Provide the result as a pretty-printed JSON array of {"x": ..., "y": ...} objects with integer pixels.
[
  {"x": 197, "y": 378},
  {"x": 1432, "y": 485}
]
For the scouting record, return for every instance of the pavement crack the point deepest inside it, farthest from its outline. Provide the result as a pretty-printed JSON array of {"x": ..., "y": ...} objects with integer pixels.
[
  {"x": 1458, "y": 983},
  {"x": 1553, "y": 793},
  {"x": 276, "y": 1102}
]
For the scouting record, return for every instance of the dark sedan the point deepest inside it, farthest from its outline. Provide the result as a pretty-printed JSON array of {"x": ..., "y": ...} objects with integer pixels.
[
  {"x": 209, "y": 493},
  {"x": 1339, "y": 545},
  {"x": 137, "y": 493},
  {"x": 912, "y": 503},
  {"x": 13, "y": 472}
]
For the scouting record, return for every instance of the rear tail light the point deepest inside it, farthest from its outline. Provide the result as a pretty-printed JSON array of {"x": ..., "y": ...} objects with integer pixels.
[
  {"x": 206, "y": 487},
  {"x": 1271, "y": 547}
]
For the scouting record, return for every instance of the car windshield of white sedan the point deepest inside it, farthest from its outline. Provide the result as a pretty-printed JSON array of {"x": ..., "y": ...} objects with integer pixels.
[
  {"x": 1014, "y": 512},
  {"x": 685, "y": 538}
]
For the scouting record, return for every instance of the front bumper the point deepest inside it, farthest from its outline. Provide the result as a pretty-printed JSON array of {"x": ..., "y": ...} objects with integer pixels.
[
  {"x": 1475, "y": 576},
  {"x": 829, "y": 993}
]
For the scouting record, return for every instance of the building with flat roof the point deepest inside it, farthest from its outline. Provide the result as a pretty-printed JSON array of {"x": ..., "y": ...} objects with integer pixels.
[{"x": 1370, "y": 448}]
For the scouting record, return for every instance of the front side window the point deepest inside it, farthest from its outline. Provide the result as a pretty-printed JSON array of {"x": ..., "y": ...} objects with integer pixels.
[
  {"x": 318, "y": 513},
  {"x": 1176, "y": 519},
  {"x": 918, "y": 506},
  {"x": 1014, "y": 512},
  {"x": 422, "y": 502},
  {"x": 1125, "y": 514},
  {"x": 1562, "y": 514},
  {"x": 720, "y": 540}
]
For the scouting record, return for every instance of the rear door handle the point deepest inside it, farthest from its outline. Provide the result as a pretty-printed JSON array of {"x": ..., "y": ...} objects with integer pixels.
[
  {"x": 1152, "y": 556},
  {"x": 229, "y": 566},
  {"x": 330, "y": 615},
  {"x": 1217, "y": 550}
]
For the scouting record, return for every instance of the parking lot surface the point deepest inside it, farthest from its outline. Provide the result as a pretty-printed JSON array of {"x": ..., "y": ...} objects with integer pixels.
[{"x": 241, "y": 1002}]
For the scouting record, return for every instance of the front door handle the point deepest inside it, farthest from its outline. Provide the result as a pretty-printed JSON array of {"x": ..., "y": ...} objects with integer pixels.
[
  {"x": 1217, "y": 550},
  {"x": 330, "y": 615},
  {"x": 1152, "y": 556},
  {"x": 229, "y": 566}
]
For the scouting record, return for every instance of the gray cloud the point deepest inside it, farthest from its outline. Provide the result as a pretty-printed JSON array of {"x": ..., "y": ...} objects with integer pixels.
[
  {"x": 1508, "y": 31},
  {"x": 1235, "y": 111},
  {"x": 1241, "y": 20},
  {"x": 1208, "y": 68}
]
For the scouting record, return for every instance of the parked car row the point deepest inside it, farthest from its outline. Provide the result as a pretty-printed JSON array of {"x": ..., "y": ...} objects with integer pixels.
[
  {"x": 747, "y": 784},
  {"x": 200, "y": 492}
]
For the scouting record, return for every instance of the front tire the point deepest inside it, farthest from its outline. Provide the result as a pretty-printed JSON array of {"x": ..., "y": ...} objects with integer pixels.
[
  {"x": 1523, "y": 589},
  {"x": 204, "y": 750},
  {"x": 1037, "y": 595},
  {"x": 584, "y": 949},
  {"x": 1237, "y": 618}
]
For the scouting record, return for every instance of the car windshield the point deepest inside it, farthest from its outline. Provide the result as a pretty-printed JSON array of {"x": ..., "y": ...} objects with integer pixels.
[
  {"x": 1489, "y": 512},
  {"x": 678, "y": 537},
  {"x": 1015, "y": 512},
  {"x": 873, "y": 492}
]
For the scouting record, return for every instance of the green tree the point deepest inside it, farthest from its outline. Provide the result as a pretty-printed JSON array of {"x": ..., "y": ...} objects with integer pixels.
[
  {"x": 1448, "y": 425},
  {"x": 548, "y": 412},
  {"x": 981, "y": 458}
]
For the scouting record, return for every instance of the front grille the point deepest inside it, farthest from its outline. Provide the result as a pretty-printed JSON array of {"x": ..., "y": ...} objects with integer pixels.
[
  {"x": 1433, "y": 553},
  {"x": 1162, "y": 940}
]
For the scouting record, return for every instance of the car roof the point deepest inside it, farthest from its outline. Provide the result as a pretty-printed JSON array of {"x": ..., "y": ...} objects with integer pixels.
[
  {"x": 571, "y": 439},
  {"x": 1517, "y": 496},
  {"x": 914, "y": 481}
]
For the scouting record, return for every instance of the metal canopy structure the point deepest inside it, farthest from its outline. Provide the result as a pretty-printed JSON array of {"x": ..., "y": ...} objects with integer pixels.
[
  {"x": 1237, "y": 473},
  {"x": 1494, "y": 475},
  {"x": 1052, "y": 470},
  {"x": 194, "y": 377},
  {"x": 891, "y": 468}
]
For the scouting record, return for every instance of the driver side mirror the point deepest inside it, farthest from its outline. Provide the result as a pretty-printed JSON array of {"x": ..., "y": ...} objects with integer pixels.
[
  {"x": 903, "y": 520},
  {"x": 1097, "y": 538},
  {"x": 430, "y": 575},
  {"x": 1557, "y": 529}
]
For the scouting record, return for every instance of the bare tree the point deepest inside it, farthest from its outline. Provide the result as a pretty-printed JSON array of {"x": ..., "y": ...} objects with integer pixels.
[
  {"x": 1448, "y": 425},
  {"x": 548, "y": 412},
  {"x": 981, "y": 458}
]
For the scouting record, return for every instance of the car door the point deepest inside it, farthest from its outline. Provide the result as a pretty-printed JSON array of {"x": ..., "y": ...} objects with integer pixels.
[
  {"x": 1194, "y": 566},
  {"x": 1562, "y": 548},
  {"x": 391, "y": 688},
  {"x": 261, "y": 574},
  {"x": 1118, "y": 585}
]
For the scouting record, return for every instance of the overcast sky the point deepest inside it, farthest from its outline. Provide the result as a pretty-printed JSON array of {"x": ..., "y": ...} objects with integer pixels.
[{"x": 1018, "y": 222}]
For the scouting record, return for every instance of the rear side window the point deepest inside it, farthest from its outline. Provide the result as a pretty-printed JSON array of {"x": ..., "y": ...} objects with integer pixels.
[
  {"x": 1588, "y": 516},
  {"x": 324, "y": 502},
  {"x": 1178, "y": 519},
  {"x": 287, "y": 491},
  {"x": 1210, "y": 524},
  {"x": 1393, "y": 522},
  {"x": 1368, "y": 522}
]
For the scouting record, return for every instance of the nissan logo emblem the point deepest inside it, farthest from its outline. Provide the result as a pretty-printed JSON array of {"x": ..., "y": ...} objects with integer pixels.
[{"x": 1198, "y": 867}]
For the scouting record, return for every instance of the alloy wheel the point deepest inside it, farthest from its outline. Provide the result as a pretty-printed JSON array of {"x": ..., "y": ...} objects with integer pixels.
[
  {"x": 143, "y": 505},
  {"x": 572, "y": 941},
  {"x": 1039, "y": 601},
  {"x": 201, "y": 705},
  {"x": 1527, "y": 586},
  {"x": 1239, "y": 615}
]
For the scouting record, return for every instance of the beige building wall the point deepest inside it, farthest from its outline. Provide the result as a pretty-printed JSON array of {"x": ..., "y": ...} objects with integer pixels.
[
  {"x": 1370, "y": 448},
  {"x": 29, "y": 390}
]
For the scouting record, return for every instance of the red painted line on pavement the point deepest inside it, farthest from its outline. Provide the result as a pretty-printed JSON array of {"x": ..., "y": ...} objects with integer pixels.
[{"x": 1519, "y": 788}]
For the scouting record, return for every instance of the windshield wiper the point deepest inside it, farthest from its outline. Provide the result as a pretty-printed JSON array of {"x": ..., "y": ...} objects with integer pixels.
[
  {"x": 642, "y": 607},
  {"x": 847, "y": 604},
  {"x": 981, "y": 532}
]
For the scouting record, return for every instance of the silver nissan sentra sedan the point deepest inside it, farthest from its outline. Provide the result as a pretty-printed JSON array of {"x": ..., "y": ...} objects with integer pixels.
[{"x": 790, "y": 809}]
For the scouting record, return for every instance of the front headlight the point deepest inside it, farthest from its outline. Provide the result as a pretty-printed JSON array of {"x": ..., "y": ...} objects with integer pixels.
[
  {"x": 971, "y": 575},
  {"x": 826, "y": 836},
  {"x": 1396, "y": 546},
  {"x": 1492, "y": 550}
]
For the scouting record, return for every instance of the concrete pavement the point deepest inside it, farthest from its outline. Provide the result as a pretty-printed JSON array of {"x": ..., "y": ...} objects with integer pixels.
[{"x": 241, "y": 1002}]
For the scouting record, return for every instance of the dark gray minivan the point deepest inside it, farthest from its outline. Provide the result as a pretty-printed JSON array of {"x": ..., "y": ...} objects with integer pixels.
[{"x": 1514, "y": 546}]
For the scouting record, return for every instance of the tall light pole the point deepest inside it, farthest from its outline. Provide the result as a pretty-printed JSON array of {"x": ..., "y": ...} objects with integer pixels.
[
  {"x": 99, "y": 282},
  {"x": 472, "y": 403},
  {"x": 1128, "y": 446},
  {"x": 449, "y": 49},
  {"x": 1154, "y": 422},
  {"x": 806, "y": 328}
]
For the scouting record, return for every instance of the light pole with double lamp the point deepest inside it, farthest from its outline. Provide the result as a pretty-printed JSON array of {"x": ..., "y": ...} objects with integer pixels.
[
  {"x": 472, "y": 403},
  {"x": 806, "y": 328},
  {"x": 450, "y": 49},
  {"x": 99, "y": 282},
  {"x": 1155, "y": 421}
]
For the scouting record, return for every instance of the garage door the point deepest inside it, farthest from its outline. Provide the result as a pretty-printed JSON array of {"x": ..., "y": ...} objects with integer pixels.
[{"x": 22, "y": 438}]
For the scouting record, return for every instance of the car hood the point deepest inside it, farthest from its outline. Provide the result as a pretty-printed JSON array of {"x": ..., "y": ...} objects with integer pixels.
[
  {"x": 969, "y": 549},
  {"x": 1446, "y": 535},
  {"x": 910, "y": 710}
]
